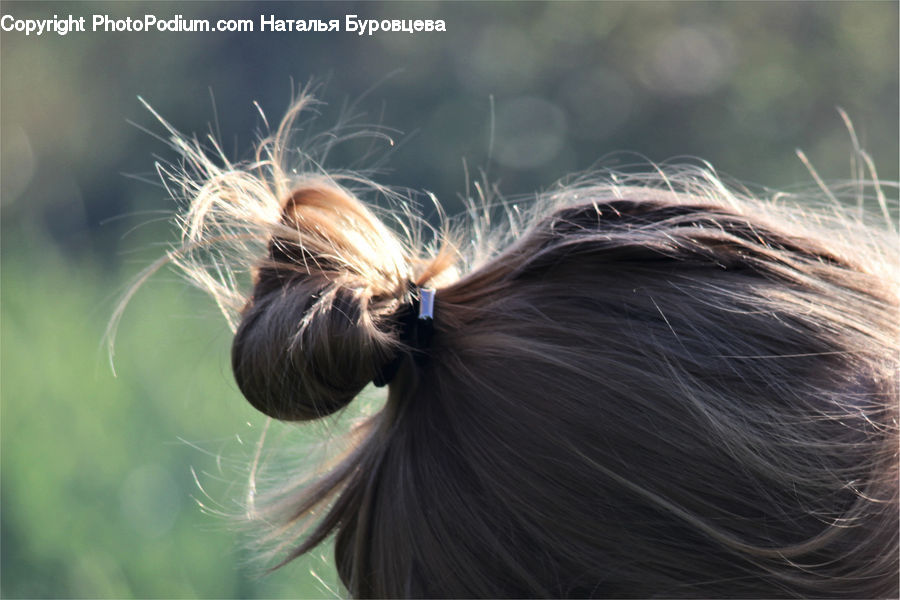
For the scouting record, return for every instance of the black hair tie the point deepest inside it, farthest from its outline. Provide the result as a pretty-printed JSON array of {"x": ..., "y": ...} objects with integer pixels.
[{"x": 416, "y": 323}]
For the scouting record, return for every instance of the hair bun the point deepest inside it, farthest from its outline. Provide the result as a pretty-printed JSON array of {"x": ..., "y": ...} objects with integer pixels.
[{"x": 318, "y": 323}]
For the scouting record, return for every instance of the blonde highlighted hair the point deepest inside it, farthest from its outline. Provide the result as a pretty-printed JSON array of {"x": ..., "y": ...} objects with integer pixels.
[{"x": 646, "y": 385}]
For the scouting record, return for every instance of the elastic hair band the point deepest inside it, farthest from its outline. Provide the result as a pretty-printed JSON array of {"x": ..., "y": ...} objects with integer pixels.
[{"x": 417, "y": 326}]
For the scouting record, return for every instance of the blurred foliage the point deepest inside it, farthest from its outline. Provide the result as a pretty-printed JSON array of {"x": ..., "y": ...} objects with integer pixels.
[
  {"x": 99, "y": 492},
  {"x": 96, "y": 470}
]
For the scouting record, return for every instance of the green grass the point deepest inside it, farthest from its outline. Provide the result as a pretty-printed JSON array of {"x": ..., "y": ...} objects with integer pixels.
[{"x": 98, "y": 489}]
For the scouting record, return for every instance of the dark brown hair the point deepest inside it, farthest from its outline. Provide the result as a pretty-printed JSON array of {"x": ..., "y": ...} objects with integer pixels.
[{"x": 648, "y": 386}]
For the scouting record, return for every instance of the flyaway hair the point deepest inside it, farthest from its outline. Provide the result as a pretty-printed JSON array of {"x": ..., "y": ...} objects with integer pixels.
[{"x": 645, "y": 385}]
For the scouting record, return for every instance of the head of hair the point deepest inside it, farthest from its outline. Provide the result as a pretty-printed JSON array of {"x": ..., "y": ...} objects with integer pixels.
[{"x": 651, "y": 385}]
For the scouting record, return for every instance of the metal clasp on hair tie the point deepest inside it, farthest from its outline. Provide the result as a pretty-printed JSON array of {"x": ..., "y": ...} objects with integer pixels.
[
  {"x": 417, "y": 328},
  {"x": 426, "y": 303}
]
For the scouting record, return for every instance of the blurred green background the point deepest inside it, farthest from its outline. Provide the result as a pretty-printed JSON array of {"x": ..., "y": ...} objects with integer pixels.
[{"x": 99, "y": 496}]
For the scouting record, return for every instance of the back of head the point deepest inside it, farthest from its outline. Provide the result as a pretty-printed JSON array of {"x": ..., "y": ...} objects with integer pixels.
[{"x": 656, "y": 388}]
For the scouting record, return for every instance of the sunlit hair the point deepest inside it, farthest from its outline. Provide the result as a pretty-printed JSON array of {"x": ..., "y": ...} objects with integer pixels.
[{"x": 644, "y": 385}]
